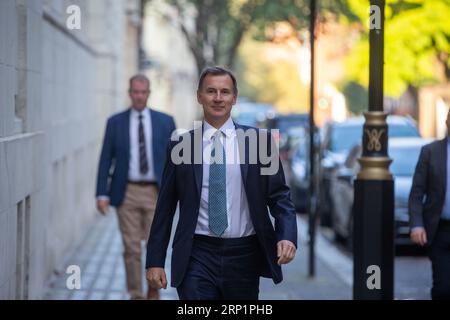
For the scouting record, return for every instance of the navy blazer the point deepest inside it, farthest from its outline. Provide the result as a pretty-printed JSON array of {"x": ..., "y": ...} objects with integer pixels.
[
  {"x": 115, "y": 153},
  {"x": 183, "y": 183},
  {"x": 429, "y": 186}
]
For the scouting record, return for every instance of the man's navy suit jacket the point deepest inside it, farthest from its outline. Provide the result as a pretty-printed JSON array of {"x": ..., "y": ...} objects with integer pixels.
[
  {"x": 183, "y": 183},
  {"x": 115, "y": 153},
  {"x": 429, "y": 186}
]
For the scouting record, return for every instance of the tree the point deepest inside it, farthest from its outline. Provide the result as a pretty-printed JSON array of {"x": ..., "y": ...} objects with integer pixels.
[
  {"x": 417, "y": 39},
  {"x": 221, "y": 25},
  {"x": 214, "y": 29}
]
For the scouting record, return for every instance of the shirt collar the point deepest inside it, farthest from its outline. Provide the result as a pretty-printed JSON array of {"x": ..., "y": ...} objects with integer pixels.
[
  {"x": 228, "y": 129},
  {"x": 135, "y": 113}
]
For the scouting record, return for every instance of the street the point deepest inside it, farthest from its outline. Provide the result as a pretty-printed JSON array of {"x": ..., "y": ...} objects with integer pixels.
[
  {"x": 103, "y": 277},
  {"x": 412, "y": 267}
]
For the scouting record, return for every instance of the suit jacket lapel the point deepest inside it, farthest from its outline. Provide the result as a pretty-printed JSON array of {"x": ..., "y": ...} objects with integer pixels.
[
  {"x": 244, "y": 166},
  {"x": 198, "y": 167},
  {"x": 443, "y": 160},
  {"x": 126, "y": 132},
  {"x": 197, "y": 157},
  {"x": 154, "y": 125}
]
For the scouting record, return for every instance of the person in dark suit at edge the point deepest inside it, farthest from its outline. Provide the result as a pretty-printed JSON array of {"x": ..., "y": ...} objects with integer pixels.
[
  {"x": 429, "y": 210},
  {"x": 224, "y": 239}
]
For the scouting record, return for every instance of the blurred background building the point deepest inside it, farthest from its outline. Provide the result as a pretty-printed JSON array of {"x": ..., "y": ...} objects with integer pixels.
[
  {"x": 57, "y": 86},
  {"x": 169, "y": 64}
]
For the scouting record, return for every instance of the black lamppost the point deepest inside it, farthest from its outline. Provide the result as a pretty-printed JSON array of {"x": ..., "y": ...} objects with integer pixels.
[
  {"x": 312, "y": 210},
  {"x": 373, "y": 209}
]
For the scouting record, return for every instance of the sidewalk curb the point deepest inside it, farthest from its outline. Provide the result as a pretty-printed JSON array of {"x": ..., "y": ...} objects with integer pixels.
[{"x": 336, "y": 261}]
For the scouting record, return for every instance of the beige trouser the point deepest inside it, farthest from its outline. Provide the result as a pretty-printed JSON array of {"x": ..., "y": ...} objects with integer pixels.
[{"x": 135, "y": 217}]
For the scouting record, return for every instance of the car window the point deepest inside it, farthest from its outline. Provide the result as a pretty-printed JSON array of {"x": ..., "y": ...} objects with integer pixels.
[
  {"x": 397, "y": 130},
  {"x": 344, "y": 137},
  {"x": 246, "y": 118},
  {"x": 404, "y": 160},
  {"x": 283, "y": 124}
]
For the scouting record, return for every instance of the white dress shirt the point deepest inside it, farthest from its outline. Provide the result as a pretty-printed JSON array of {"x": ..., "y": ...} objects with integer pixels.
[
  {"x": 238, "y": 214},
  {"x": 134, "y": 173}
]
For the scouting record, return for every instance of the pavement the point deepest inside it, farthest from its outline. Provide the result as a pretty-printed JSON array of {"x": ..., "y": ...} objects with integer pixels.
[{"x": 99, "y": 257}]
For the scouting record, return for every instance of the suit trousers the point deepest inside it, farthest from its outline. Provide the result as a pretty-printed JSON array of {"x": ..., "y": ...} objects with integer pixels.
[
  {"x": 440, "y": 262},
  {"x": 135, "y": 217},
  {"x": 222, "y": 268}
]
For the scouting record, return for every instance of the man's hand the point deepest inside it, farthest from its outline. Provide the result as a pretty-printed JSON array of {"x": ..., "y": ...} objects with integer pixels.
[
  {"x": 103, "y": 206},
  {"x": 419, "y": 236},
  {"x": 157, "y": 278},
  {"x": 285, "y": 251}
]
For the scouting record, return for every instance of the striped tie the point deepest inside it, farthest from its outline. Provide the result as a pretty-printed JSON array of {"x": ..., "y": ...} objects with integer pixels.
[
  {"x": 217, "y": 199},
  {"x": 143, "y": 164}
]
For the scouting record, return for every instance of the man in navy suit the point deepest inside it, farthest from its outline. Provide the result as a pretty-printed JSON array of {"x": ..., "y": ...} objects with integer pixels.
[
  {"x": 224, "y": 239},
  {"x": 129, "y": 174},
  {"x": 429, "y": 210}
]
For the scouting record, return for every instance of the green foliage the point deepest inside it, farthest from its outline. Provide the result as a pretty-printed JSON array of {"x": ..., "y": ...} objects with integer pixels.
[
  {"x": 416, "y": 33},
  {"x": 356, "y": 97},
  {"x": 220, "y": 25}
]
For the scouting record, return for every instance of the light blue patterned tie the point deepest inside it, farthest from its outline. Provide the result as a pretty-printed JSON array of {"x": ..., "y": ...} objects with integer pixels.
[{"x": 217, "y": 199}]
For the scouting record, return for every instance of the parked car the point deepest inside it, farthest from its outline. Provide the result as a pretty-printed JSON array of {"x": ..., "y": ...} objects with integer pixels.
[
  {"x": 251, "y": 113},
  {"x": 283, "y": 123},
  {"x": 404, "y": 152},
  {"x": 338, "y": 138},
  {"x": 299, "y": 166},
  {"x": 299, "y": 175}
]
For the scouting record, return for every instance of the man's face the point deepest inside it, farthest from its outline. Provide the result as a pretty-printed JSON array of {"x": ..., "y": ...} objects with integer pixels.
[
  {"x": 139, "y": 93},
  {"x": 217, "y": 96}
]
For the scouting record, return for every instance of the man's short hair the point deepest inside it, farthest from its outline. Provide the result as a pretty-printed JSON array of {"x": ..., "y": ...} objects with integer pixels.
[
  {"x": 217, "y": 71},
  {"x": 140, "y": 78}
]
